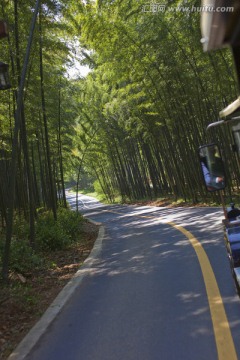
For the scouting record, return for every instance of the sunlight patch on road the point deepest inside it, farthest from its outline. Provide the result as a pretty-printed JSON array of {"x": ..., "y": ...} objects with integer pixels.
[{"x": 188, "y": 297}]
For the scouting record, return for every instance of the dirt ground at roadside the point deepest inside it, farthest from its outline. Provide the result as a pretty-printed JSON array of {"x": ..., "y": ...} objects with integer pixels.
[{"x": 25, "y": 300}]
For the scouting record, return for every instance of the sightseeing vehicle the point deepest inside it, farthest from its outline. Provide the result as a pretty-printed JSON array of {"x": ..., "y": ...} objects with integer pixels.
[{"x": 220, "y": 27}]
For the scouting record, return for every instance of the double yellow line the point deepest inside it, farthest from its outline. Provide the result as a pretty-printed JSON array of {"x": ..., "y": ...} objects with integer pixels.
[{"x": 223, "y": 337}]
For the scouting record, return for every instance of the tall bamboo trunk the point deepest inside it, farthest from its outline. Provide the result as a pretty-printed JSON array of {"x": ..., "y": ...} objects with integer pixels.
[{"x": 50, "y": 175}]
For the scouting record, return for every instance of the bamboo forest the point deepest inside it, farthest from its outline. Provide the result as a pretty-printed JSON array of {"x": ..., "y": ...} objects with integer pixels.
[{"x": 106, "y": 95}]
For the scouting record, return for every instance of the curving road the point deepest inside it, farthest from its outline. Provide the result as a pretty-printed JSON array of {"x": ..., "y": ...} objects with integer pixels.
[{"x": 159, "y": 289}]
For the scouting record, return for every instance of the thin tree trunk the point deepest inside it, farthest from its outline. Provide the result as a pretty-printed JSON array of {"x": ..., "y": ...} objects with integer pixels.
[
  {"x": 60, "y": 151},
  {"x": 52, "y": 194}
]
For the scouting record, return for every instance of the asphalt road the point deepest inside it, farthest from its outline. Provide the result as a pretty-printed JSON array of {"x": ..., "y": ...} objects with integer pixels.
[{"x": 144, "y": 296}]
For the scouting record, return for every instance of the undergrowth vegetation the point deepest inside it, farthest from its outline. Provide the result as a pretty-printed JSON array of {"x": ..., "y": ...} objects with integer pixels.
[{"x": 51, "y": 235}]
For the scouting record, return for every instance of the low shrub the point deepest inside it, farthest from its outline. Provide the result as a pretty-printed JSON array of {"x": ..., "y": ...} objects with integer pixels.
[
  {"x": 50, "y": 235},
  {"x": 20, "y": 227},
  {"x": 23, "y": 258},
  {"x": 56, "y": 235},
  {"x": 70, "y": 221}
]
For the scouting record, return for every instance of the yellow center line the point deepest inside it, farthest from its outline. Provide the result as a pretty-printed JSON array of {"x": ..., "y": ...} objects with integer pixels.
[{"x": 223, "y": 337}]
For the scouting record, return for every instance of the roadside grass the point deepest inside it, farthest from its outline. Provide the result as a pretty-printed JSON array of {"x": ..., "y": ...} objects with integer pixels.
[{"x": 168, "y": 200}]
